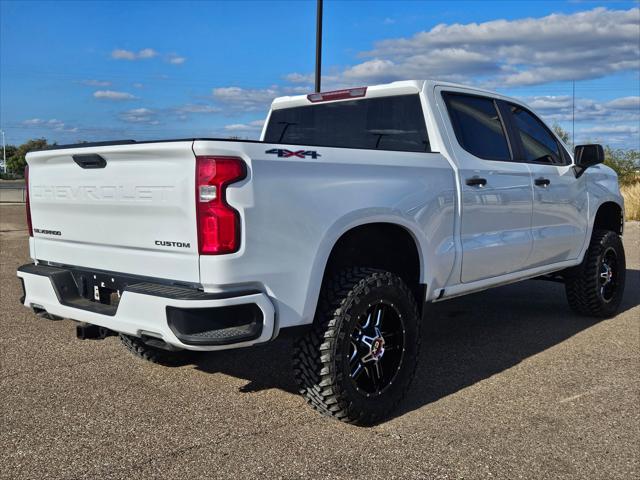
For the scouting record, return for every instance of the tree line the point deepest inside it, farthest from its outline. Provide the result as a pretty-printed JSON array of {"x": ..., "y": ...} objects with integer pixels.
[{"x": 16, "y": 155}]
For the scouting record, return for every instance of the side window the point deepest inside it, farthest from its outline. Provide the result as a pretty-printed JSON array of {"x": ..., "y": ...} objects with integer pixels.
[
  {"x": 477, "y": 125},
  {"x": 538, "y": 143}
]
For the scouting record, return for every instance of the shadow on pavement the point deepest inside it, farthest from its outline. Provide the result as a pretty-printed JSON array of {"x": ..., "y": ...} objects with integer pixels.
[{"x": 465, "y": 340}]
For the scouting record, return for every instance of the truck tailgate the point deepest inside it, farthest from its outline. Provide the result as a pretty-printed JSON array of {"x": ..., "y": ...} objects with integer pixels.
[{"x": 136, "y": 214}]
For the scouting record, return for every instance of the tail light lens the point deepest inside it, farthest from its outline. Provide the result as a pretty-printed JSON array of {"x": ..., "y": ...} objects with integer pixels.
[
  {"x": 26, "y": 201},
  {"x": 218, "y": 223}
]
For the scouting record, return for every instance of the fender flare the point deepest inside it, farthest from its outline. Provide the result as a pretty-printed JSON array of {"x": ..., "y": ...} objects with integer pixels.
[
  {"x": 593, "y": 212},
  {"x": 343, "y": 225}
]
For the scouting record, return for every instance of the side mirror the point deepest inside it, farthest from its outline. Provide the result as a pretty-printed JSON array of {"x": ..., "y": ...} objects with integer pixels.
[{"x": 588, "y": 155}]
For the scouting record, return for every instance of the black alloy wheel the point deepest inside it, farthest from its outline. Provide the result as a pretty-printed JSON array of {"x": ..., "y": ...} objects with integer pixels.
[{"x": 377, "y": 348}]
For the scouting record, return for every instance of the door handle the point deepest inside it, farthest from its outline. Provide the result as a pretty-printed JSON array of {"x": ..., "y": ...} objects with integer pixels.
[
  {"x": 476, "y": 182},
  {"x": 542, "y": 182}
]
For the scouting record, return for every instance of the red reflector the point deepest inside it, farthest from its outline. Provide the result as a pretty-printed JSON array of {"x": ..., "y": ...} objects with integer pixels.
[
  {"x": 218, "y": 223},
  {"x": 337, "y": 95},
  {"x": 26, "y": 201}
]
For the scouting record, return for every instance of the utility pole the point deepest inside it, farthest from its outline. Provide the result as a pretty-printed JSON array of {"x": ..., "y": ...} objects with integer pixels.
[{"x": 318, "y": 43}]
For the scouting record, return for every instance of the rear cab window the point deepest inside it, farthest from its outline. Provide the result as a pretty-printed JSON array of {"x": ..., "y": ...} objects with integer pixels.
[{"x": 395, "y": 123}]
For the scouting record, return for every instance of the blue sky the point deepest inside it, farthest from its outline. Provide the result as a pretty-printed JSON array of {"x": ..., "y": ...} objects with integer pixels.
[{"x": 74, "y": 71}]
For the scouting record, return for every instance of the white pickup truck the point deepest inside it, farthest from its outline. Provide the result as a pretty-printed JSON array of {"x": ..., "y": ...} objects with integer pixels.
[{"x": 354, "y": 209}]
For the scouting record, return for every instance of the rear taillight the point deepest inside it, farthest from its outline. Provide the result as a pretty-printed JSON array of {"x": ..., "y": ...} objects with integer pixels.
[
  {"x": 26, "y": 200},
  {"x": 218, "y": 223},
  {"x": 337, "y": 95}
]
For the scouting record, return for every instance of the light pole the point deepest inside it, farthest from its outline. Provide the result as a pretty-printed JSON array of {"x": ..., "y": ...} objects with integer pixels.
[
  {"x": 573, "y": 115},
  {"x": 318, "y": 43}
]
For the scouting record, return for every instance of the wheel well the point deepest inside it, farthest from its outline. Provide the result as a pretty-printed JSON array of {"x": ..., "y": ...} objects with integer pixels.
[
  {"x": 386, "y": 246},
  {"x": 609, "y": 217}
]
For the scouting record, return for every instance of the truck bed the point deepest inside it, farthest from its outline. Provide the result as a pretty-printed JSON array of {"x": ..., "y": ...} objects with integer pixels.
[{"x": 110, "y": 143}]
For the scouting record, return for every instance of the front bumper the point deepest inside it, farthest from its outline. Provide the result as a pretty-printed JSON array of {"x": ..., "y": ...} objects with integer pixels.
[{"x": 181, "y": 316}]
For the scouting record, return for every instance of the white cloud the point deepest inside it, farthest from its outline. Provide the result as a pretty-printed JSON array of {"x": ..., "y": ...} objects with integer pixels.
[
  {"x": 507, "y": 53},
  {"x": 560, "y": 108},
  {"x": 96, "y": 83},
  {"x": 609, "y": 129},
  {"x": 52, "y": 124},
  {"x": 613, "y": 122},
  {"x": 140, "y": 115},
  {"x": 246, "y": 99},
  {"x": 240, "y": 99},
  {"x": 120, "y": 54},
  {"x": 176, "y": 59},
  {"x": 371, "y": 70},
  {"x": 113, "y": 95},
  {"x": 138, "y": 85},
  {"x": 549, "y": 102},
  {"x": 197, "y": 108},
  {"x": 183, "y": 111},
  {"x": 300, "y": 78},
  {"x": 236, "y": 127},
  {"x": 625, "y": 103},
  {"x": 625, "y": 136},
  {"x": 33, "y": 122},
  {"x": 147, "y": 53},
  {"x": 152, "y": 116},
  {"x": 245, "y": 127}
]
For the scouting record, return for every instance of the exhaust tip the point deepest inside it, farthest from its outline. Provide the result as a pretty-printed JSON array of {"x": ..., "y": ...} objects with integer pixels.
[{"x": 42, "y": 313}]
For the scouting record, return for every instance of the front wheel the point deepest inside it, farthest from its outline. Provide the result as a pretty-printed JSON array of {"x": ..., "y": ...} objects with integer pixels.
[
  {"x": 359, "y": 359},
  {"x": 595, "y": 287}
]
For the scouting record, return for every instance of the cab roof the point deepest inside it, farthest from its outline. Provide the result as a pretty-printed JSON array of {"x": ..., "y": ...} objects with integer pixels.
[{"x": 403, "y": 87}]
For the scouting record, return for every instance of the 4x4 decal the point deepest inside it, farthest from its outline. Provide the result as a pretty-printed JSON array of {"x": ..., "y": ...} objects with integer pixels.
[{"x": 284, "y": 153}]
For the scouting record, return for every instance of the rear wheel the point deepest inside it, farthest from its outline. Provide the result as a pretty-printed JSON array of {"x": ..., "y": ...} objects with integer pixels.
[
  {"x": 359, "y": 359},
  {"x": 143, "y": 350},
  {"x": 595, "y": 287}
]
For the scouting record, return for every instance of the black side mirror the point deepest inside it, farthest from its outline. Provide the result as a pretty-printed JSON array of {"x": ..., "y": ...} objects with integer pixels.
[{"x": 588, "y": 155}]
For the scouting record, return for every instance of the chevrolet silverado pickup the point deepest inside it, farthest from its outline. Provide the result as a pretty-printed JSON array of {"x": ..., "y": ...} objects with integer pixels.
[{"x": 354, "y": 209}]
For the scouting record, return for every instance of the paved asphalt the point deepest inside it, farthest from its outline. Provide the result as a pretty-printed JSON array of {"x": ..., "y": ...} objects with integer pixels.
[{"x": 511, "y": 385}]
